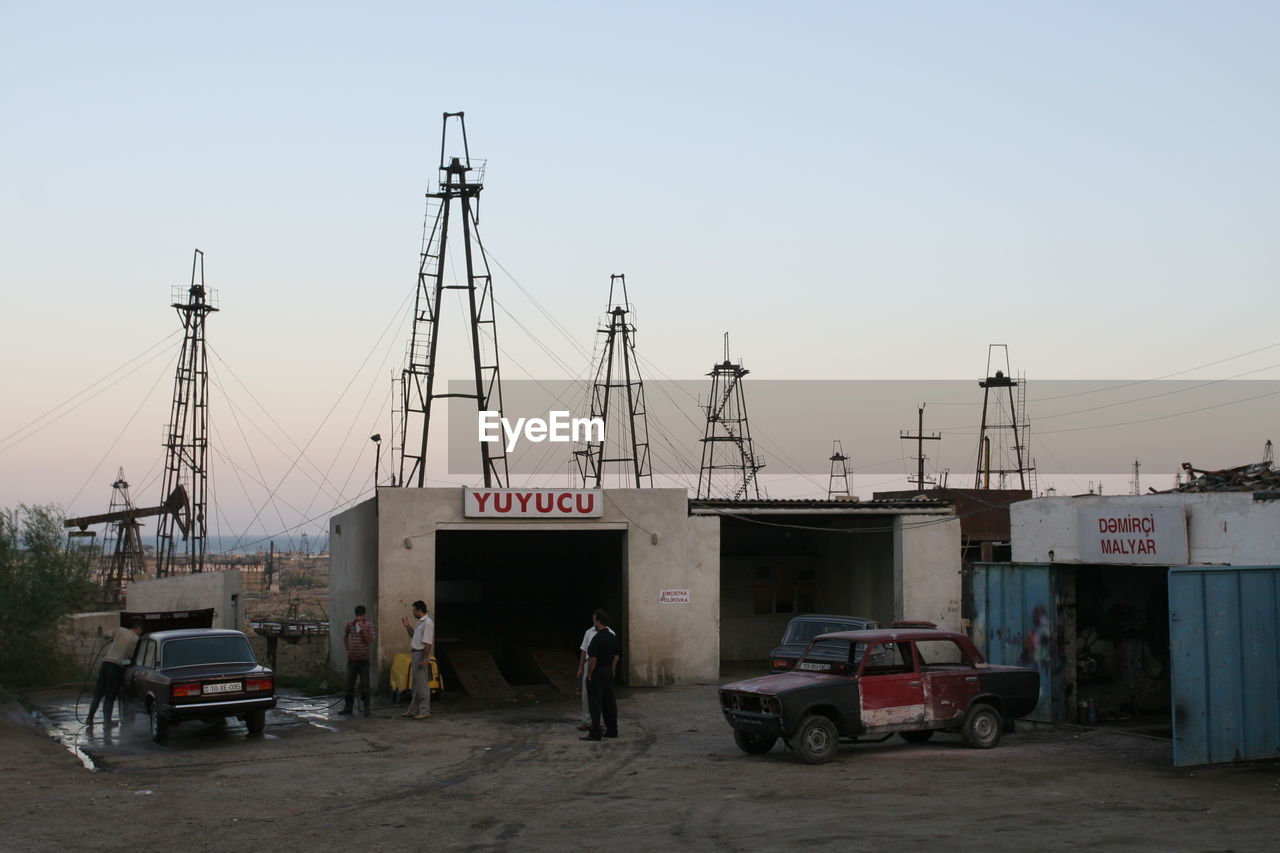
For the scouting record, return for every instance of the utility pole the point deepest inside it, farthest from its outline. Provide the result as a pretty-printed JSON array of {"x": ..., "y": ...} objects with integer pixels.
[{"x": 920, "y": 438}]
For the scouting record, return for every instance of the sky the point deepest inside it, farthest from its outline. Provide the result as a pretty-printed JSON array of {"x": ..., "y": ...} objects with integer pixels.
[{"x": 852, "y": 191}]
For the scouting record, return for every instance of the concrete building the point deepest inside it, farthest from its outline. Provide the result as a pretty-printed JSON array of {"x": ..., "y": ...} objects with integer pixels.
[{"x": 516, "y": 573}]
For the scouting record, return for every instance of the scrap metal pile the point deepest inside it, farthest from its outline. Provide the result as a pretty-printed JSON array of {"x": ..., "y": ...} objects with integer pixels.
[{"x": 1258, "y": 476}]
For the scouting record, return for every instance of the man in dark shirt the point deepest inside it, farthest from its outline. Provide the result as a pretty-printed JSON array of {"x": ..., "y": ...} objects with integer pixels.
[{"x": 602, "y": 665}]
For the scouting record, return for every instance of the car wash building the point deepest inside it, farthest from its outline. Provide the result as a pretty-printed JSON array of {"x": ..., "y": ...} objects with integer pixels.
[{"x": 511, "y": 576}]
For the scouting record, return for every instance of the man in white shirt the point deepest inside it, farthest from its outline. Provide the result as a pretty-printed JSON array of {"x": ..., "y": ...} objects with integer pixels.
[
  {"x": 111, "y": 673},
  {"x": 422, "y": 637}
]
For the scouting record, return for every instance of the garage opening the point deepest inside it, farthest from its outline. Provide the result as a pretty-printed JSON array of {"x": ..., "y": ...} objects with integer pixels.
[
  {"x": 794, "y": 564},
  {"x": 520, "y": 600}
]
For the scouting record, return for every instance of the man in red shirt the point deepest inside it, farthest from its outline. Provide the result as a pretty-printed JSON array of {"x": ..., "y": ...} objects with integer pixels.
[{"x": 358, "y": 637}]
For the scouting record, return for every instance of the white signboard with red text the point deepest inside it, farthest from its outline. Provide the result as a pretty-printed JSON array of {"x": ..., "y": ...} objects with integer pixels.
[
  {"x": 1149, "y": 536},
  {"x": 533, "y": 503}
]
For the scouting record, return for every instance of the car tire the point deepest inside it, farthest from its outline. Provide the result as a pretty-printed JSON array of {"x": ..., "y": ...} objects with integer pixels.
[
  {"x": 256, "y": 721},
  {"x": 916, "y": 737},
  {"x": 982, "y": 727},
  {"x": 753, "y": 744},
  {"x": 816, "y": 740},
  {"x": 159, "y": 725}
]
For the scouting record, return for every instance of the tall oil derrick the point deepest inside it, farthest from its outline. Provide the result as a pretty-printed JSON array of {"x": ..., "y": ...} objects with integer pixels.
[
  {"x": 455, "y": 201},
  {"x": 626, "y": 424},
  {"x": 726, "y": 443},
  {"x": 920, "y": 438},
  {"x": 187, "y": 433},
  {"x": 1004, "y": 419},
  {"x": 838, "y": 484}
]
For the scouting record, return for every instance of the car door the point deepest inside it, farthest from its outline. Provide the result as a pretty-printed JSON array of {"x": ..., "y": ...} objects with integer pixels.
[
  {"x": 890, "y": 689},
  {"x": 139, "y": 676},
  {"x": 949, "y": 678}
]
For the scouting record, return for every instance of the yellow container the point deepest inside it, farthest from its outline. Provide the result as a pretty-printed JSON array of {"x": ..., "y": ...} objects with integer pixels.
[{"x": 401, "y": 678}]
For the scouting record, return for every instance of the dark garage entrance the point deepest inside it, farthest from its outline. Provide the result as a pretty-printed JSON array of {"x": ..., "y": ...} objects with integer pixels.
[{"x": 524, "y": 598}]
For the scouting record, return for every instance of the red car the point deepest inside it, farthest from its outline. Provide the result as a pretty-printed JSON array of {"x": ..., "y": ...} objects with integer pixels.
[{"x": 911, "y": 682}]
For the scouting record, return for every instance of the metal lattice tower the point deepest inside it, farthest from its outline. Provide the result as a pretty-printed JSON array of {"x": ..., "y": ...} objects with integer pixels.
[
  {"x": 121, "y": 557},
  {"x": 838, "y": 484},
  {"x": 455, "y": 201},
  {"x": 726, "y": 443},
  {"x": 1005, "y": 419},
  {"x": 626, "y": 424},
  {"x": 187, "y": 433}
]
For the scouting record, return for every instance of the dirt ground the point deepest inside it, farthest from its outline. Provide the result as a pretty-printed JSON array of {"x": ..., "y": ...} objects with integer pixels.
[{"x": 518, "y": 778}]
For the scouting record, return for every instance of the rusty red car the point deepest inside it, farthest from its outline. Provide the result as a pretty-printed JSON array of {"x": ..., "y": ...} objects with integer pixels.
[{"x": 870, "y": 685}]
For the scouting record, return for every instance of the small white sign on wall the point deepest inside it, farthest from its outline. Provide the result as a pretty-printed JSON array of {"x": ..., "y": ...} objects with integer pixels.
[{"x": 673, "y": 596}]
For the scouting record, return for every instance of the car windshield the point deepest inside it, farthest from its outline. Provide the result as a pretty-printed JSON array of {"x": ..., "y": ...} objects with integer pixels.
[
  {"x": 203, "y": 651},
  {"x": 833, "y": 650},
  {"x": 804, "y": 631}
]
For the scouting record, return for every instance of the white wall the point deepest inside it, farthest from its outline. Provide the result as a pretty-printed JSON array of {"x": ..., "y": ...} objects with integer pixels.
[
  {"x": 222, "y": 591},
  {"x": 353, "y": 544},
  {"x": 665, "y": 549},
  {"x": 1225, "y": 528},
  {"x": 927, "y": 564}
]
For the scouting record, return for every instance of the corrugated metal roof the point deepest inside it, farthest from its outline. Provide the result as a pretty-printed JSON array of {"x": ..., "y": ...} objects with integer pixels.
[{"x": 819, "y": 503}]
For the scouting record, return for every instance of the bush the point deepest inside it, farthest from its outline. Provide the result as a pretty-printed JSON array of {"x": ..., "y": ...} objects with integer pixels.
[{"x": 41, "y": 581}]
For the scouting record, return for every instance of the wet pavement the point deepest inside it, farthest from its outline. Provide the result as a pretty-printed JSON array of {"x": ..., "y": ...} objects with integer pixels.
[{"x": 61, "y": 713}]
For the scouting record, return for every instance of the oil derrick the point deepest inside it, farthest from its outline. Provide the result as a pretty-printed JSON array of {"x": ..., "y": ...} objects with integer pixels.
[
  {"x": 122, "y": 545},
  {"x": 726, "y": 443},
  {"x": 455, "y": 202},
  {"x": 187, "y": 433},
  {"x": 920, "y": 438},
  {"x": 838, "y": 484},
  {"x": 626, "y": 424},
  {"x": 1004, "y": 419}
]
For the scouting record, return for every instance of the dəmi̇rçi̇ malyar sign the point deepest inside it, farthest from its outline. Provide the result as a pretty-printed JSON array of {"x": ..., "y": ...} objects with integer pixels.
[{"x": 1150, "y": 535}]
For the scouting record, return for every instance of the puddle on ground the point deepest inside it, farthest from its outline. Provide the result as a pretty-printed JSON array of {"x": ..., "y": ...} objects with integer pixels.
[{"x": 61, "y": 717}]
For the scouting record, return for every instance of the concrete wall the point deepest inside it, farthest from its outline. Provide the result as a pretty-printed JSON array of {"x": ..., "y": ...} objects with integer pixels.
[
  {"x": 353, "y": 543},
  {"x": 219, "y": 590},
  {"x": 927, "y": 568},
  {"x": 1227, "y": 528},
  {"x": 665, "y": 549}
]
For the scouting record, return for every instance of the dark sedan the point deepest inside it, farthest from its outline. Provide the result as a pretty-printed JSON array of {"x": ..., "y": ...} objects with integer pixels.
[
  {"x": 802, "y": 629},
  {"x": 197, "y": 674}
]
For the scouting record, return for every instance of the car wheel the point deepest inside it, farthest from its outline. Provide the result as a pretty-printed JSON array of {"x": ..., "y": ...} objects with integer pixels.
[
  {"x": 916, "y": 737},
  {"x": 753, "y": 744},
  {"x": 982, "y": 727},
  {"x": 159, "y": 725},
  {"x": 816, "y": 739},
  {"x": 256, "y": 721}
]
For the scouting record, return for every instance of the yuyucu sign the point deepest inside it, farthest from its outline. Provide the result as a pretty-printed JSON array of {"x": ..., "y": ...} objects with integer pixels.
[
  {"x": 1154, "y": 536},
  {"x": 533, "y": 503}
]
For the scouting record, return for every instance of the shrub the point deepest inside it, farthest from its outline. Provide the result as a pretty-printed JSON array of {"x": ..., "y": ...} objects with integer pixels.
[{"x": 41, "y": 581}]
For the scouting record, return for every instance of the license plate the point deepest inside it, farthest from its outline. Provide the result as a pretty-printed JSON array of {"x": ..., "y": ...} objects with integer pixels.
[
  {"x": 224, "y": 687},
  {"x": 815, "y": 667}
]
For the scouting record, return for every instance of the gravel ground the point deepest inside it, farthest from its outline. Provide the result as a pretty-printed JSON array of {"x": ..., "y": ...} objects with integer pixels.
[{"x": 518, "y": 778}]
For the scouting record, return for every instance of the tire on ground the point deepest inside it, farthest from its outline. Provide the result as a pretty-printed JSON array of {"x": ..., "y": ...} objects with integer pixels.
[
  {"x": 816, "y": 739},
  {"x": 753, "y": 744},
  {"x": 982, "y": 727}
]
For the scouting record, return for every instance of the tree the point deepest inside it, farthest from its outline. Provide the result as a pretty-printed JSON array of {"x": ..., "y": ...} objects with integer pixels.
[{"x": 41, "y": 581}]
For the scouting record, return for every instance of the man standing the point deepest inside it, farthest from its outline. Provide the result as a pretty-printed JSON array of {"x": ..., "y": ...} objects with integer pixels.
[
  {"x": 585, "y": 724},
  {"x": 602, "y": 664},
  {"x": 359, "y": 638},
  {"x": 422, "y": 636},
  {"x": 111, "y": 673}
]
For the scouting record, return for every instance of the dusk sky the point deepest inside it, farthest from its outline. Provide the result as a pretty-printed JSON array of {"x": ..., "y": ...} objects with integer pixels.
[{"x": 851, "y": 190}]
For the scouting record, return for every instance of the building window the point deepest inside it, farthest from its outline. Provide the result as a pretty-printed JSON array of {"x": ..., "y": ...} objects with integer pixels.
[{"x": 782, "y": 589}]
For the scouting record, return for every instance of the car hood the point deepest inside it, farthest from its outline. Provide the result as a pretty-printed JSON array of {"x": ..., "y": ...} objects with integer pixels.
[{"x": 780, "y": 683}]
